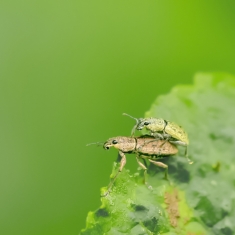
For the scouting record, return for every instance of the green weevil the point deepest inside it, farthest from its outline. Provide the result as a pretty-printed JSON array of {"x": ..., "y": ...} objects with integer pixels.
[
  {"x": 162, "y": 129},
  {"x": 144, "y": 148}
]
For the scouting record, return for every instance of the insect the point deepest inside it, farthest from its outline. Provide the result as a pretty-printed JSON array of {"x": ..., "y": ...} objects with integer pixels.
[
  {"x": 144, "y": 148},
  {"x": 162, "y": 129}
]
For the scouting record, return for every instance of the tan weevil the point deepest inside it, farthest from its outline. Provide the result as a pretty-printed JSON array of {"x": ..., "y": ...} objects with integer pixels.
[
  {"x": 162, "y": 129},
  {"x": 144, "y": 148}
]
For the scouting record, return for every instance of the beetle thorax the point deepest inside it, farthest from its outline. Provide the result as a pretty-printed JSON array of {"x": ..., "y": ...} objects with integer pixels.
[
  {"x": 126, "y": 144},
  {"x": 156, "y": 124},
  {"x": 122, "y": 143}
]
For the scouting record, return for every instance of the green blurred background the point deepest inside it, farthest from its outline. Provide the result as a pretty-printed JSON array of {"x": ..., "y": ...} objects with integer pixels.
[{"x": 68, "y": 70}]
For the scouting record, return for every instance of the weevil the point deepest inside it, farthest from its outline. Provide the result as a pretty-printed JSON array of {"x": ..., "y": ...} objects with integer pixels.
[
  {"x": 144, "y": 148},
  {"x": 162, "y": 129}
]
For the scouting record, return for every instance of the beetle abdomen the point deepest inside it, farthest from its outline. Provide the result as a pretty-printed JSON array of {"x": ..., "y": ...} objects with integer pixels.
[
  {"x": 151, "y": 146},
  {"x": 176, "y": 132}
]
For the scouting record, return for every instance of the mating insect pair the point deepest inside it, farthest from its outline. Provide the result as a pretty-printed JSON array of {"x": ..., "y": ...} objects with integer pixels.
[
  {"x": 160, "y": 143},
  {"x": 162, "y": 129}
]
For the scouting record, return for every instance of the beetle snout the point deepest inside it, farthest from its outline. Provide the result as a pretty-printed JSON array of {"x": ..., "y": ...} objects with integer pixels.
[
  {"x": 106, "y": 146},
  {"x": 139, "y": 127}
]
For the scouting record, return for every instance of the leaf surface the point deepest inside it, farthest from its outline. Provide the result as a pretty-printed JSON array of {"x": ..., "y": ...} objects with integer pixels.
[{"x": 200, "y": 198}]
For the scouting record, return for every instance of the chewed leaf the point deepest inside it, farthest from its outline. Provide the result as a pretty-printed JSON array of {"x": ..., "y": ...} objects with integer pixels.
[{"x": 199, "y": 199}]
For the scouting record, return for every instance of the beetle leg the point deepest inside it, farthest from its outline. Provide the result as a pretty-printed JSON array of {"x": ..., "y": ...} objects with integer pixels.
[
  {"x": 166, "y": 136},
  {"x": 160, "y": 164},
  {"x": 178, "y": 142},
  {"x": 144, "y": 161},
  {"x": 163, "y": 136},
  {"x": 157, "y": 135},
  {"x": 143, "y": 167},
  {"x": 133, "y": 130},
  {"x": 122, "y": 164},
  {"x": 164, "y": 142},
  {"x": 123, "y": 160}
]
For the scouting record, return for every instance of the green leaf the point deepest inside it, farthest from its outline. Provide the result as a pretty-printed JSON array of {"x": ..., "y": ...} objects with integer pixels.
[{"x": 200, "y": 198}]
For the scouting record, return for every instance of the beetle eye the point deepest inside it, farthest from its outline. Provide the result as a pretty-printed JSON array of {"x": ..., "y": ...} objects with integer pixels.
[
  {"x": 146, "y": 123},
  {"x": 114, "y": 142}
]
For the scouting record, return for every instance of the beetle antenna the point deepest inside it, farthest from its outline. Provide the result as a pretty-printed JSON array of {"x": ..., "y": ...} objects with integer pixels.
[
  {"x": 137, "y": 122},
  {"x": 98, "y": 143},
  {"x": 125, "y": 114}
]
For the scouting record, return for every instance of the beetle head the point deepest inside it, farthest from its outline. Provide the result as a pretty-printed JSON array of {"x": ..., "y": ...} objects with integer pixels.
[
  {"x": 152, "y": 124},
  {"x": 122, "y": 143},
  {"x": 144, "y": 122},
  {"x": 112, "y": 142}
]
